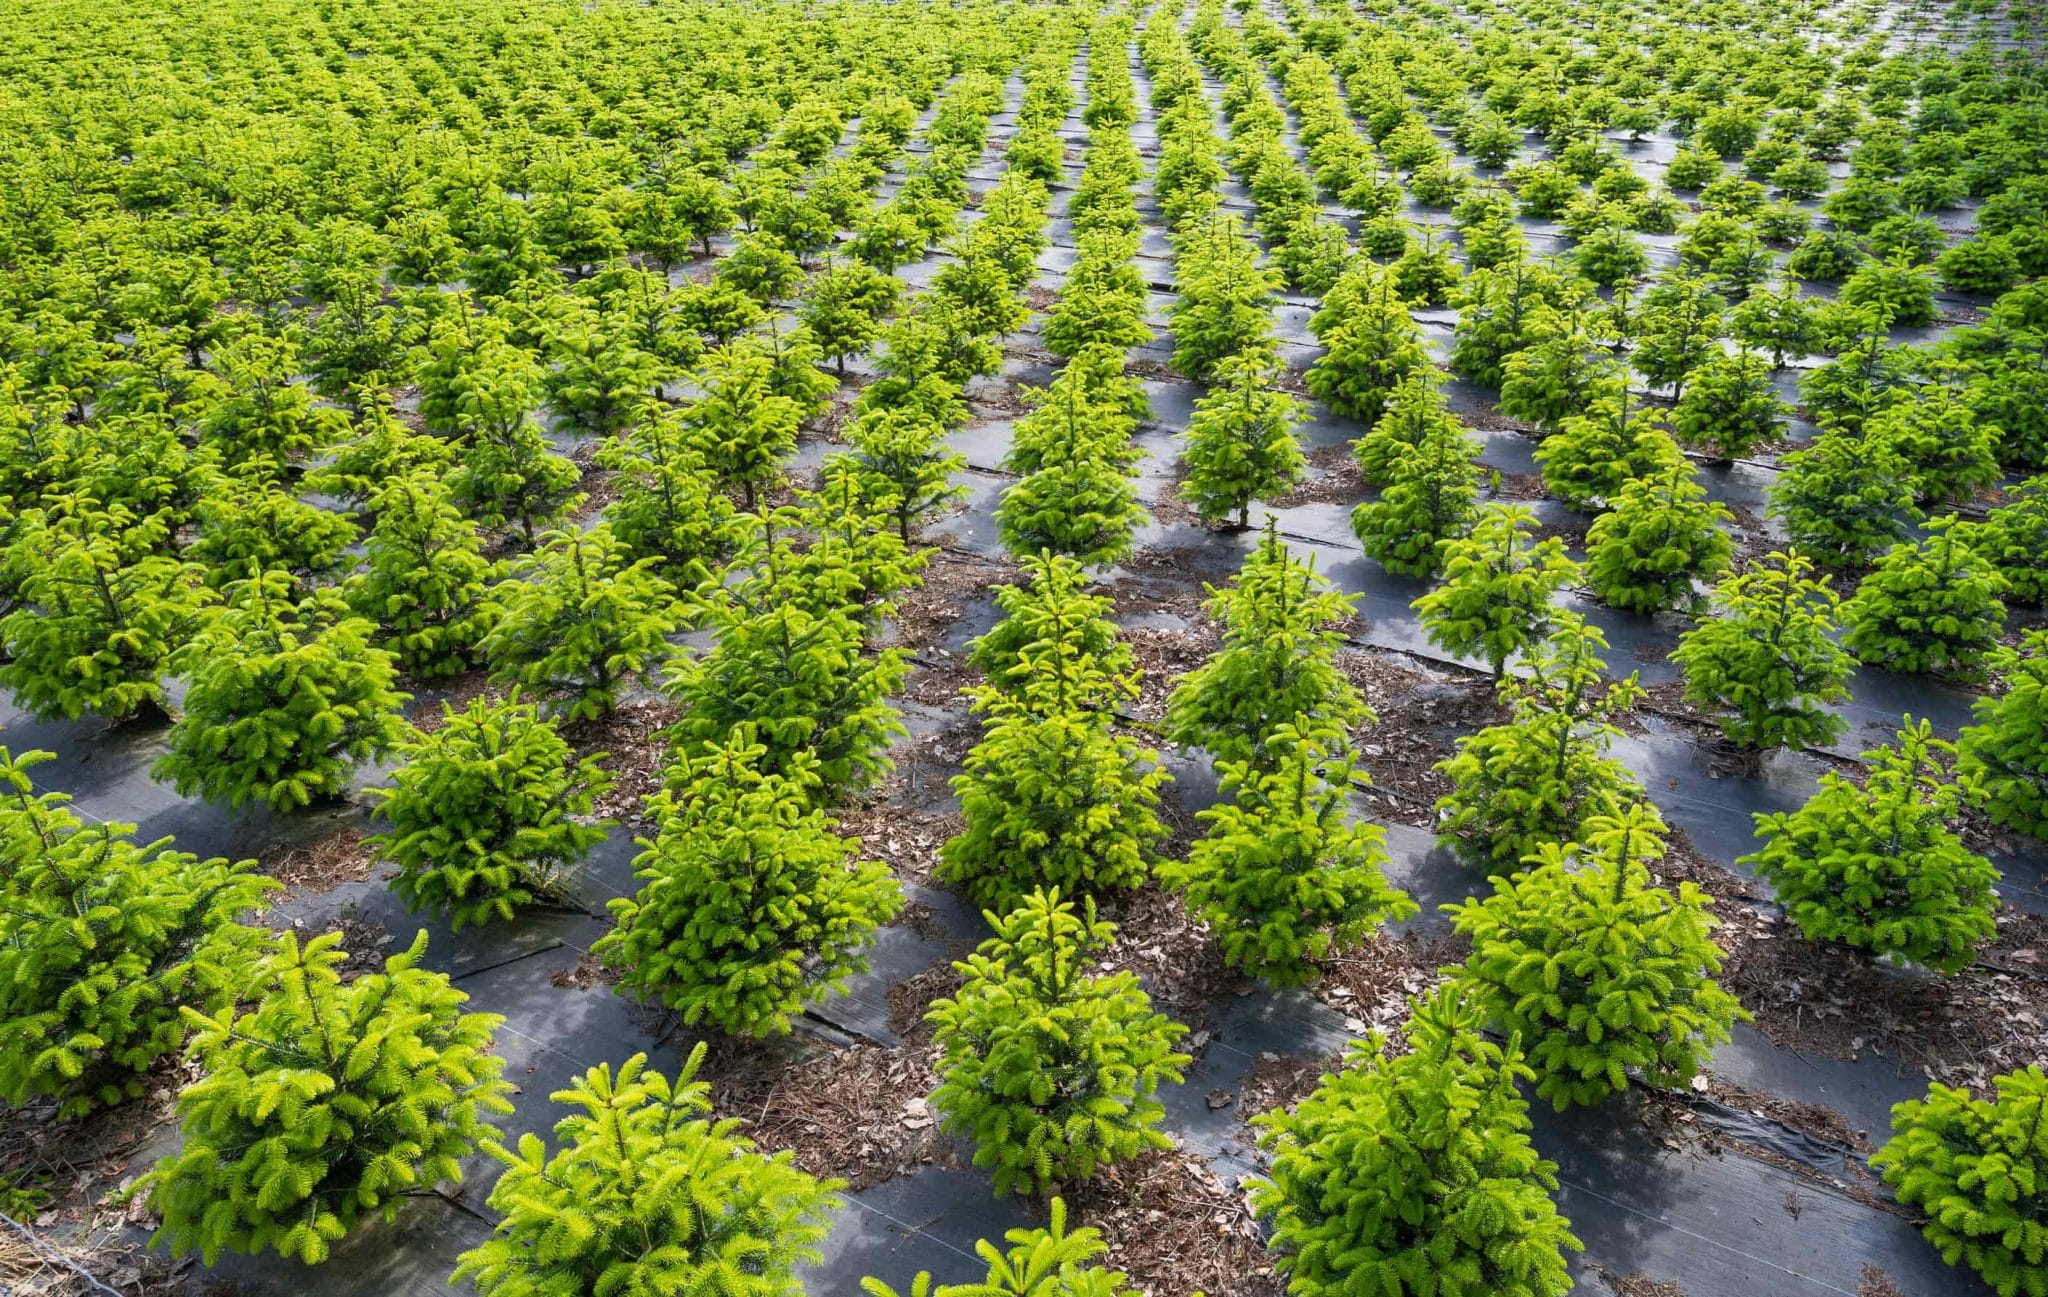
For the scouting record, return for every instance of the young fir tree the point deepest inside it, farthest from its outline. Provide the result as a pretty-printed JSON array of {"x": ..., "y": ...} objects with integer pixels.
[
  {"x": 1049, "y": 1262},
  {"x": 803, "y": 683},
  {"x": 905, "y": 465},
  {"x": 323, "y": 1103},
  {"x": 1544, "y": 775},
  {"x": 1277, "y": 663},
  {"x": 1730, "y": 407},
  {"x": 1560, "y": 373},
  {"x": 1497, "y": 313},
  {"x": 1415, "y": 412},
  {"x": 95, "y": 629},
  {"x": 666, "y": 504},
  {"x": 2003, "y": 758},
  {"x": 247, "y": 524},
  {"x": 2014, "y": 537},
  {"x": 1879, "y": 868},
  {"x": 1240, "y": 441},
  {"x": 486, "y": 812},
  {"x": 845, "y": 307},
  {"x": 751, "y": 905},
  {"x": 1369, "y": 350},
  {"x": 1495, "y": 598},
  {"x": 1052, "y": 611},
  {"x": 1933, "y": 430},
  {"x": 1933, "y": 607},
  {"x": 283, "y": 698},
  {"x": 1600, "y": 973},
  {"x": 741, "y": 426},
  {"x": 1766, "y": 661},
  {"x": 425, "y": 579},
  {"x": 1412, "y": 1172},
  {"x": 1429, "y": 503},
  {"x": 1076, "y": 498},
  {"x": 1680, "y": 327},
  {"x": 1284, "y": 876},
  {"x": 576, "y": 618},
  {"x": 1051, "y": 1070},
  {"x": 1977, "y": 1167},
  {"x": 1662, "y": 535},
  {"x": 1594, "y": 454},
  {"x": 1053, "y": 795},
  {"x": 1843, "y": 499},
  {"x": 104, "y": 942},
  {"x": 646, "y": 1194}
]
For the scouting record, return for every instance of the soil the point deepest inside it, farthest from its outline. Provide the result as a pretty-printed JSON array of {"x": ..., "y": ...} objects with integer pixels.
[
  {"x": 1414, "y": 734},
  {"x": 1876, "y": 1283},
  {"x": 1163, "y": 656},
  {"x": 1175, "y": 1228},
  {"x": 47, "y": 1267},
  {"x": 1832, "y": 1001},
  {"x": 906, "y": 840},
  {"x": 1373, "y": 983},
  {"x": 1637, "y": 1285},
  {"x": 1336, "y": 480},
  {"x": 1820, "y": 1122},
  {"x": 857, "y": 1114},
  {"x": 952, "y": 581},
  {"x": 1520, "y": 486},
  {"x": 338, "y": 857},
  {"x": 589, "y": 971},
  {"x": 1171, "y": 953},
  {"x": 1281, "y": 1081},
  {"x": 634, "y": 754}
]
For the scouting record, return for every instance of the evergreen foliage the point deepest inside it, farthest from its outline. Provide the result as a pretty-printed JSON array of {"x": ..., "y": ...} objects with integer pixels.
[
  {"x": 666, "y": 505},
  {"x": 323, "y": 1103},
  {"x": 1277, "y": 663},
  {"x": 1978, "y": 1168},
  {"x": 1048, "y": 1262},
  {"x": 1662, "y": 535},
  {"x": 1543, "y": 776},
  {"x": 424, "y": 581},
  {"x": 1369, "y": 349},
  {"x": 1053, "y": 795},
  {"x": 2003, "y": 758},
  {"x": 1430, "y": 501},
  {"x": 1879, "y": 868},
  {"x": 1240, "y": 442},
  {"x": 96, "y": 629},
  {"x": 1930, "y": 607},
  {"x": 647, "y": 1195},
  {"x": 751, "y": 904},
  {"x": 1601, "y": 973},
  {"x": 1052, "y": 612},
  {"x": 283, "y": 698},
  {"x": 1730, "y": 406},
  {"x": 1765, "y": 660},
  {"x": 1843, "y": 499},
  {"x": 1050, "y": 1069},
  {"x": 1284, "y": 876},
  {"x": 488, "y": 808},
  {"x": 1596, "y": 453},
  {"x": 1494, "y": 601},
  {"x": 103, "y": 942},
  {"x": 1411, "y": 1173},
  {"x": 577, "y": 618}
]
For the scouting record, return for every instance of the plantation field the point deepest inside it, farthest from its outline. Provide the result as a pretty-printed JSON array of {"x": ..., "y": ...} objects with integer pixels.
[{"x": 735, "y": 647}]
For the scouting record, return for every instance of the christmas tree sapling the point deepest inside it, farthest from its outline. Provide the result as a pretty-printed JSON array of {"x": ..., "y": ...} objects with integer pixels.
[
  {"x": 1766, "y": 660},
  {"x": 644, "y": 1194},
  {"x": 1412, "y": 1172},
  {"x": 1052, "y": 1069},
  {"x": 1599, "y": 973},
  {"x": 323, "y": 1103},
  {"x": 1879, "y": 868},
  {"x": 1284, "y": 876},
  {"x": 488, "y": 808}
]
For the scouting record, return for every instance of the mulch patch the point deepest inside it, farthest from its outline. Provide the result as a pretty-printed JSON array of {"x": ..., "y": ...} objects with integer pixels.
[
  {"x": 1826, "y": 999},
  {"x": 1163, "y": 656},
  {"x": 1337, "y": 480},
  {"x": 1175, "y": 1228},
  {"x": 905, "y": 839},
  {"x": 337, "y": 857},
  {"x": 1821, "y": 1122},
  {"x": 1876, "y": 1283},
  {"x": 1416, "y": 732},
  {"x": 951, "y": 582},
  {"x": 589, "y": 971},
  {"x": 47, "y": 1267},
  {"x": 1520, "y": 486},
  {"x": 1277, "y": 1081},
  {"x": 858, "y": 1114},
  {"x": 633, "y": 754},
  {"x": 1170, "y": 949},
  {"x": 1372, "y": 983}
]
